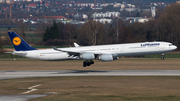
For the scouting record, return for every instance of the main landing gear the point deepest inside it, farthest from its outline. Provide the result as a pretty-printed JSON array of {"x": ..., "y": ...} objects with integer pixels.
[
  {"x": 87, "y": 63},
  {"x": 162, "y": 56}
]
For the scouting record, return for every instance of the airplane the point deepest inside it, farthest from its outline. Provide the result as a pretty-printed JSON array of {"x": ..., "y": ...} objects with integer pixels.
[{"x": 89, "y": 53}]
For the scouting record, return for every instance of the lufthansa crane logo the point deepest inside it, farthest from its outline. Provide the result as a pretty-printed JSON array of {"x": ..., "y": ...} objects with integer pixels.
[{"x": 16, "y": 41}]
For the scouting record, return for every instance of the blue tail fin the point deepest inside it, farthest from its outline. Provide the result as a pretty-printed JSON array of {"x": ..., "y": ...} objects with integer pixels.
[{"x": 18, "y": 43}]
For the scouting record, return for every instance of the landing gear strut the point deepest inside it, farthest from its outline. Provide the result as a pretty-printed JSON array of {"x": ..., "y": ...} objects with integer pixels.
[
  {"x": 87, "y": 63},
  {"x": 162, "y": 56}
]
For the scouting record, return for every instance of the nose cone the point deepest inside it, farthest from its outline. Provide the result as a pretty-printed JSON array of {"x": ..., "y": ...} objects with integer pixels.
[{"x": 175, "y": 47}]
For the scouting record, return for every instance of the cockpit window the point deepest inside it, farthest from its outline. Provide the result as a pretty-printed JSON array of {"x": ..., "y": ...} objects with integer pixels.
[{"x": 170, "y": 44}]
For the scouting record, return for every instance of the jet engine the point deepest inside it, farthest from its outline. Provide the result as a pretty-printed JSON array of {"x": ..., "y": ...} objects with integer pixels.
[
  {"x": 107, "y": 57},
  {"x": 87, "y": 56}
]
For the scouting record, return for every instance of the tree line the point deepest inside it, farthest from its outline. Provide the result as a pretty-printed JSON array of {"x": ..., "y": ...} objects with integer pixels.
[{"x": 165, "y": 27}]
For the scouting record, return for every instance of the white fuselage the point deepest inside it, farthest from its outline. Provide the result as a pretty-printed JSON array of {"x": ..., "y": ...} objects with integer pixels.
[{"x": 131, "y": 49}]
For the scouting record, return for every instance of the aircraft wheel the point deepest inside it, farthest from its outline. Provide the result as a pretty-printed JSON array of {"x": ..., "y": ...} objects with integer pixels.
[
  {"x": 88, "y": 64},
  {"x": 92, "y": 62},
  {"x": 84, "y": 64},
  {"x": 162, "y": 58}
]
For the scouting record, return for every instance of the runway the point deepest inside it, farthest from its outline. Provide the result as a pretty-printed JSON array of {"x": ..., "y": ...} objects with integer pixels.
[
  {"x": 19, "y": 97},
  {"x": 44, "y": 73}
]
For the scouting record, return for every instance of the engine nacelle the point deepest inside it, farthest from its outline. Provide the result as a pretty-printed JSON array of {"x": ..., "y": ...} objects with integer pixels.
[
  {"x": 87, "y": 56},
  {"x": 106, "y": 57}
]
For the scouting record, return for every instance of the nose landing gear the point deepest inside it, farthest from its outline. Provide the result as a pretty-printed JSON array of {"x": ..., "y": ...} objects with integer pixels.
[
  {"x": 87, "y": 63},
  {"x": 162, "y": 56}
]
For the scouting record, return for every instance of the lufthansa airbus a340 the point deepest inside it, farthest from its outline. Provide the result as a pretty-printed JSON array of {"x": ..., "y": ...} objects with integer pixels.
[{"x": 89, "y": 53}]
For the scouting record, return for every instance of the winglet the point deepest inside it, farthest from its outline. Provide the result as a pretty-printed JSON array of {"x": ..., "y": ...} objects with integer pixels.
[{"x": 76, "y": 45}]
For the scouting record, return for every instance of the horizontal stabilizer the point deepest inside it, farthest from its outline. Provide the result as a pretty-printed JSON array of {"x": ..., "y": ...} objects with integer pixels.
[{"x": 21, "y": 53}]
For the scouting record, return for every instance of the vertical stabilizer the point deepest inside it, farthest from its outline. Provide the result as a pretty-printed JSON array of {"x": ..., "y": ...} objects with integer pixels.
[{"x": 18, "y": 43}]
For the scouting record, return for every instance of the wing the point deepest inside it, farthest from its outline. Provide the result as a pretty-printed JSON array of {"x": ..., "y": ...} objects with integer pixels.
[
  {"x": 69, "y": 52},
  {"x": 75, "y": 53},
  {"x": 79, "y": 53}
]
